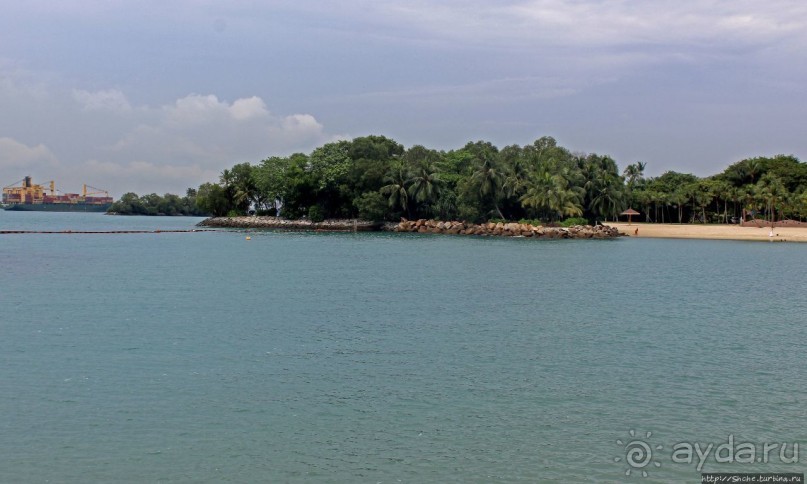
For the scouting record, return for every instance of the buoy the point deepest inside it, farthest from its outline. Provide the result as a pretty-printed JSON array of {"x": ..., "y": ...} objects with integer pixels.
[{"x": 249, "y": 238}]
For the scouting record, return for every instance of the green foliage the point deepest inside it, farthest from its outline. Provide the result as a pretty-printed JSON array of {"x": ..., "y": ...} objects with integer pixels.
[
  {"x": 374, "y": 177},
  {"x": 315, "y": 213},
  {"x": 371, "y": 206},
  {"x": 571, "y": 222},
  {"x": 213, "y": 199},
  {"x": 153, "y": 204}
]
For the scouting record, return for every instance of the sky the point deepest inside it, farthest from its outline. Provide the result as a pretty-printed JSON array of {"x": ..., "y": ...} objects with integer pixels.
[{"x": 158, "y": 96}]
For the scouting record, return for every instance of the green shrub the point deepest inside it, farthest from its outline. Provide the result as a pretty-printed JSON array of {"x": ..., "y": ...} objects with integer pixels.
[
  {"x": 234, "y": 213},
  {"x": 371, "y": 206},
  {"x": 315, "y": 213},
  {"x": 569, "y": 222},
  {"x": 268, "y": 212}
]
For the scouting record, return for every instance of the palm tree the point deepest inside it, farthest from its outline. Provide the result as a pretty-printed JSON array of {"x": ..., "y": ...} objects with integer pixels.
[
  {"x": 607, "y": 195},
  {"x": 604, "y": 187},
  {"x": 752, "y": 168},
  {"x": 490, "y": 180},
  {"x": 770, "y": 188},
  {"x": 703, "y": 196},
  {"x": 678, "y": 198},
  {"x": 425, "y": 183},
  {"x": 553, "y": 194},
  {"x": 516, "y": 171},
  {"x": 395, "y": 188},
  {"x": 634, "y": 173},
  {"x": 644, "y": 198},
  {"x": 239, "y": 183},
  {"x": 735, "y": 194},
  {"x": 722, "y": 191}
]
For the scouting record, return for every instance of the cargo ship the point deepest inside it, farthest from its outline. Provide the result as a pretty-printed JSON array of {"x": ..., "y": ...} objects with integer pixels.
[{"x": 37, "y": 198}]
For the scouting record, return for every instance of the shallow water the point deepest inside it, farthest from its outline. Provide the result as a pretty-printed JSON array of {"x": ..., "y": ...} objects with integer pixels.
[{"x": 296, "y": 357}]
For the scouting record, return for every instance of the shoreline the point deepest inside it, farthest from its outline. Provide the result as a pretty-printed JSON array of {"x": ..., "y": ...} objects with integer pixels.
[
  {"x": 263, "y": 222},
  {"x": 513, "y": 229},
  {"x": 422, "y": 226},
  {"x": 711, "y": 232}
]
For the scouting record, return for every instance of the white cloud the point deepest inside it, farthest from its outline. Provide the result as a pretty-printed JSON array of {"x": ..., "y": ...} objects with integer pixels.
[
  {"x": 146, "y": 177},
  {"x": 111, "y": 100},
  {"x": 101, "y": 138},
  {"x": 711, "y": 23},
  {"x": 19, "y": 156},
  {"x": 486, "y": 92},
  {"x": 211, "y": 132},
  {"x": 244, "y": 109}
]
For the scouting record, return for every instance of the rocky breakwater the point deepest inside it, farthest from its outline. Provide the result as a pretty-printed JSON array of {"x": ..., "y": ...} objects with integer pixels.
[
  {"x": 256, "y": 222},
  {"x": 511, "y": 229}
]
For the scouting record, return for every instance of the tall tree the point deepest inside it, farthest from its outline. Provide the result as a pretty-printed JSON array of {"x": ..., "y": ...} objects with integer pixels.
[
  {"x": 397, "y": 180},
  {"x": 489, "y": 178}
]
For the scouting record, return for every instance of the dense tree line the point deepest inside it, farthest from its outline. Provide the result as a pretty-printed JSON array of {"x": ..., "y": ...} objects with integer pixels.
[
  {"x": 376, "y": 178},
  {"x": 769, "y": 188},
  {"x": 153, "y": 204}
]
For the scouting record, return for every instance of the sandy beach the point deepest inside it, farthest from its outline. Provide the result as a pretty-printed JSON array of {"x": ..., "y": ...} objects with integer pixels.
[{"x": 716, "y": 231}]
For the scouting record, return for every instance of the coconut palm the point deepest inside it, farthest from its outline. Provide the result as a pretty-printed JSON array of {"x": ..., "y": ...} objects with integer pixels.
[
  {"x": 396, "y": 187},
  {"x": 489, "y": 178},
  {"x": 722, "y": 191},
  {"x": 703, "y": 195},
  {"x": 607, "y": 195},
  {"x": 752, "y": 168},
  {"x": 771, "y": 189},
  {"x": 679, "y": 198},
  {"x": 425, "y": 183},
  {"x": 634, "y": 173},
  {"x": 553, "y": 194}
]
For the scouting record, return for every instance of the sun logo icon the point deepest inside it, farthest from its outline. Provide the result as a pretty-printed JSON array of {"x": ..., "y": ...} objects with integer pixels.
[{"x": 638, "y": 453}]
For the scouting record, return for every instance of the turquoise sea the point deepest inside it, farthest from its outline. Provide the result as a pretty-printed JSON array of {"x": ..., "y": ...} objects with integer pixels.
[{"x": 310, "y": 357}]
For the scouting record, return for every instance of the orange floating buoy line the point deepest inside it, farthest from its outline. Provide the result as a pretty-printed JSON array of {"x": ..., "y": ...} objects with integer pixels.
[{"x": 102, "y": 231}]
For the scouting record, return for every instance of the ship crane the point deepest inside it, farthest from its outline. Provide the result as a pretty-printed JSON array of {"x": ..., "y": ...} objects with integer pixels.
[
  {"x": 14, "y": 185},
  {"x": 44, "y": 198},
  {"x": 97, "y": 191}
]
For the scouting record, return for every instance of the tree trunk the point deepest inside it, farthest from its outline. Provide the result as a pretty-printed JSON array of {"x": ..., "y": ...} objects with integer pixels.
[
  {"x": 725, "y": 211},
  {"x": 496, "y": 205}
]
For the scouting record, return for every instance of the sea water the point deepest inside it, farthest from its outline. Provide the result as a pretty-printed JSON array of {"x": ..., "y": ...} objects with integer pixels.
[{"x": 371, "y": 357}]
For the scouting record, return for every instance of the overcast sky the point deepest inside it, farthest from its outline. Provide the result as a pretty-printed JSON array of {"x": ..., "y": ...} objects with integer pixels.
[{"x": 158, "y": 96}]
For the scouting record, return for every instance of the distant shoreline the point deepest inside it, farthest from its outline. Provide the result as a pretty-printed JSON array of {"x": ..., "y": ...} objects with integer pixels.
[
  {"x": 263, "y": 222},
  {"x": 711, "y": 232}
]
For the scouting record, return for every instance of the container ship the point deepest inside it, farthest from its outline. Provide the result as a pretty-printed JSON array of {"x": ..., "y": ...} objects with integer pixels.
[{"x": 38, "y": 198}]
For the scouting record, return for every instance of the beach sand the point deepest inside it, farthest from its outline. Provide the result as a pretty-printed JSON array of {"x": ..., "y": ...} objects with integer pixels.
[{"x": 716, "y": 231}]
